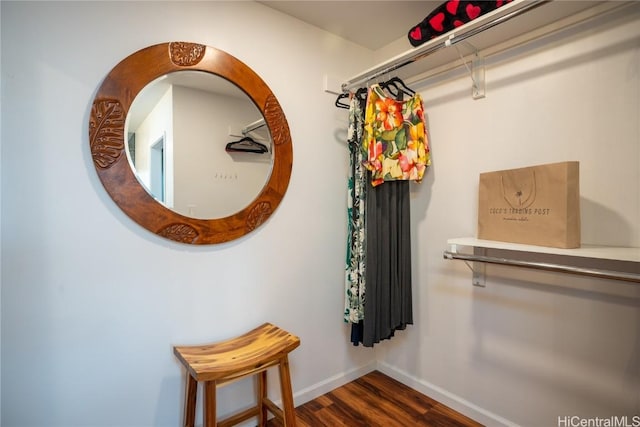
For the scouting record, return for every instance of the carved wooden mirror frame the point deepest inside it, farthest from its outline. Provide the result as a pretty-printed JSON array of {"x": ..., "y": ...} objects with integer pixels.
[{"x": 107, "y": 140}]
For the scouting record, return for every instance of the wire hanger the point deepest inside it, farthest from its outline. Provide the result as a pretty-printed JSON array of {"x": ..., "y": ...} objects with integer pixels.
[
  {"x": 406, "y": 89},
  {"x": 341, "y": 97},
  {"x": 248, "y": 145},
  {"x": 362, "y": 93},
  {"x": 395, "y": 86}
]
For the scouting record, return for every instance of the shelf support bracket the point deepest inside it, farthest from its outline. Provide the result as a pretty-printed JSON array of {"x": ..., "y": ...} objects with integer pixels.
[
  {"x": 479, "y": 269},
  {"x": 477, "y": 70},
  {"x": 477, "y": 77}
]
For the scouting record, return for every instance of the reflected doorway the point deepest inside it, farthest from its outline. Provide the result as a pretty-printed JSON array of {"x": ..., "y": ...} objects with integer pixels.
[{"x": 158, "y": 169}]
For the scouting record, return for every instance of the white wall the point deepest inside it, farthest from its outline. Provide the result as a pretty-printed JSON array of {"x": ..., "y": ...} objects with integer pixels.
[
  {"x": 92, "y": 303},
  {"x": 530, "y": 347},
  {"x": 1, "y": 88}
]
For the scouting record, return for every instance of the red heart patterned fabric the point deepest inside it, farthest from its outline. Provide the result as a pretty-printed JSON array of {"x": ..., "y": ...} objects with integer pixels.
[{"x": 450, "y": 15}]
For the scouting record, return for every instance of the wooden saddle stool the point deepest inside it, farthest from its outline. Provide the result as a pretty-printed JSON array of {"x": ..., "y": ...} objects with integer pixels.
[{"x": 249, "y": 354}]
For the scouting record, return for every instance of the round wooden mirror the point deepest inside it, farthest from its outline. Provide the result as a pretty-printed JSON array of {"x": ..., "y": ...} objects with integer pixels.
[{"x": 108, "y": 148}]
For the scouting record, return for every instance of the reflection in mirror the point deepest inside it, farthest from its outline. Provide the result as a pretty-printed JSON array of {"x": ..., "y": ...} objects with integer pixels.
[{"x": 177, "y": 130}]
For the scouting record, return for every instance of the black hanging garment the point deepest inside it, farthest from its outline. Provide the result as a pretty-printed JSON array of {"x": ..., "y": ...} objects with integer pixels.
[{"x": 388, "y": 304}]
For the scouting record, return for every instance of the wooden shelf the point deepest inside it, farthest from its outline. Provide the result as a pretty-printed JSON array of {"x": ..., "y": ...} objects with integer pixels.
[
  {"x": 609, "y": 262},
  {"x": 585, "y": 251}
]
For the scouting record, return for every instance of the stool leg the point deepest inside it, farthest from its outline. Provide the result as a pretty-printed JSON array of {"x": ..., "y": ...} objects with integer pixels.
[
  {"x": 262, "y": 395},
  {"x": 287, "y": 393},
  {"x": 191, "y": 389},
  {"x": 209, "y": 404}
]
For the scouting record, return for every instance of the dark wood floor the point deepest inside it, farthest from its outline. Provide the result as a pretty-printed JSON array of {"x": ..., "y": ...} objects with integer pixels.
[{"x": 376, "y": 400}]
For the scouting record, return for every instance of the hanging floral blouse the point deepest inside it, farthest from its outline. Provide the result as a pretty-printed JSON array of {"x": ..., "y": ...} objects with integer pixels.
[{"x": 394, "y": 144}]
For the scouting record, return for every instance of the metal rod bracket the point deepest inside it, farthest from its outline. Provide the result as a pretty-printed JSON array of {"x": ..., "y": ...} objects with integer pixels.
[
  {"x": 476, "y": 72},
  {"x": 479, "y": 269},
  {"x": 478, "y": 90}
]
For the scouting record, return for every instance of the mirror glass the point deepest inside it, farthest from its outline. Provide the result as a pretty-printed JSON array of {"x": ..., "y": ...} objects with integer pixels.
[{"x": 177, "y": 131}]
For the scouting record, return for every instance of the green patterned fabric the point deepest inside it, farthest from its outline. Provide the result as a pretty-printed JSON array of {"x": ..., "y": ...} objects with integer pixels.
[{"x": 356, "y": 245}]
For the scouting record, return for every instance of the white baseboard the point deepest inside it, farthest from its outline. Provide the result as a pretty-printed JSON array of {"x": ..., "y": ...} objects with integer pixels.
[
  {"x": 451, "y": 400},
  {"x": 331, "y": 383}
]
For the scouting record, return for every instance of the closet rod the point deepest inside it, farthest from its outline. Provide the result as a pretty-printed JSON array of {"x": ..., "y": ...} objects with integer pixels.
[
  {"x": 429, "y": 48},
  {"x": 253, "y": 126},
  {"x": 605, "y": 274}
]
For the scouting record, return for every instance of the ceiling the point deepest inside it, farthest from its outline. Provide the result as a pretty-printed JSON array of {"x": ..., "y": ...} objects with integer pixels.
[{"x": 372, "y": 24}]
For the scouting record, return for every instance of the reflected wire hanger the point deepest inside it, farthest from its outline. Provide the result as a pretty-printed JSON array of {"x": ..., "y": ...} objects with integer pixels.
[{"x": 246, "y": 145}]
